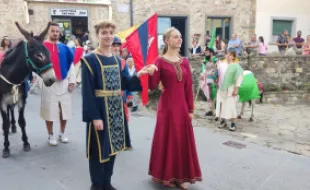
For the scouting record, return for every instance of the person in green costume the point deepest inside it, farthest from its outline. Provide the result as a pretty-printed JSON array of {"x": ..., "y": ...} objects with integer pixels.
[
  {"x": 230, "y": 87},
  {"x": 248, "y": 91}
]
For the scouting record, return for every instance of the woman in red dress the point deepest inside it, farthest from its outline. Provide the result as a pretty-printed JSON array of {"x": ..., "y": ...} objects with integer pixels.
[{"x": 174, "y": 160}]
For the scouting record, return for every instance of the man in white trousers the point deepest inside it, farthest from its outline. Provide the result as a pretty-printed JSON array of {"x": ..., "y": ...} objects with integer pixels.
[{"x": 56, "y": 103}]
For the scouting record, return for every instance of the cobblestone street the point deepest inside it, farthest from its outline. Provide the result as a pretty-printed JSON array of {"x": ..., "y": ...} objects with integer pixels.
[
  {"x": 277, "y": 126},
  {"x": 226, "y": 162}
]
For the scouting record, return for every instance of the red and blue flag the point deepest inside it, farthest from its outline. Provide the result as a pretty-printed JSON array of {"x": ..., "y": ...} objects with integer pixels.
[
  {"x": 142, "y": 44},
  {"x": 78, "y": 53}
]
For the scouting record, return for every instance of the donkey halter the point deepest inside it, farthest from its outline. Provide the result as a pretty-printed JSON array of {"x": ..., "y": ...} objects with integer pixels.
[{"x": 30, "y": 62}]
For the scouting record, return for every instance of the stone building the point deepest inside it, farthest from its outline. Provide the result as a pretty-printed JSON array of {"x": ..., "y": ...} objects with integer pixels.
[
  {"x": 191, "y": 17},
  {"x": 75, "y": 16},
  {"x": 272, "y": 19}
]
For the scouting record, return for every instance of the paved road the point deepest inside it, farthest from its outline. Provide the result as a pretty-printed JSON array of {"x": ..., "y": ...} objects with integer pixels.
[
  {"x": 277, "y": 126},
  {"x": 65, "y": 167}
]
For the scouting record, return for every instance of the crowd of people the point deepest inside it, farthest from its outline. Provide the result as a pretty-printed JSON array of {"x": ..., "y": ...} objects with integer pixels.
[
  {"x": 287, "y": 45},
  {"x": 221, "y": 76},
  {"x": 220, "y": 80}
]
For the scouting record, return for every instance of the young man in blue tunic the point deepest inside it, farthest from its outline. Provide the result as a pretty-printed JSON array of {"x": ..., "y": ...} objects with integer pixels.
[{"x": 102, "y": 83}]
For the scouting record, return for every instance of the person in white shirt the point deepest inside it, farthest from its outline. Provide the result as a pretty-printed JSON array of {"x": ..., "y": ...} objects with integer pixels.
[
  {"x": 71, "y": 43},
  {"x": 56, "y": 102},
  {"x": 132, "y": 72},
  {"x": 196, "y": 49}
]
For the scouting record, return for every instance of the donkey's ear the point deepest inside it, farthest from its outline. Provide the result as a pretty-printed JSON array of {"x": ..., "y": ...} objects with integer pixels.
[
  {"x": 44, "y": 32},
  {"x": 23, "y": 31}
]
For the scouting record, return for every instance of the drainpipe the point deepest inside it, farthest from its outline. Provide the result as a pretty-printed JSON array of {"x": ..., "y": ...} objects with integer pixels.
[
  {"x": 131, "y": 13},
  {"x": 110, "y": 12}
]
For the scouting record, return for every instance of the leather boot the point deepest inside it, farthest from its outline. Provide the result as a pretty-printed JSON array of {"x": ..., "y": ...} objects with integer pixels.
[
  {"x": 109, "y": 187},
  {"x": 95, "y": 188}
]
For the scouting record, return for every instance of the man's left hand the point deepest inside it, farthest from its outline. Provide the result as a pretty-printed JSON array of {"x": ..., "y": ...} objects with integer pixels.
[{"x": 235, "y": 93}]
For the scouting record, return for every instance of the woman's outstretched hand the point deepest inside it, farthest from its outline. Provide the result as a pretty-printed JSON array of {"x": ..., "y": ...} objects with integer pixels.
[
  {"x": 148, "y": 69},
  {"x": 143, "y": 71},
  {"x": 151, "y": 69}
]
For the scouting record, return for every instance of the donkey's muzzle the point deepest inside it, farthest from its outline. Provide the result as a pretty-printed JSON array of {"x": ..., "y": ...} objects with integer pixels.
[{"x": 48, "y": 77}]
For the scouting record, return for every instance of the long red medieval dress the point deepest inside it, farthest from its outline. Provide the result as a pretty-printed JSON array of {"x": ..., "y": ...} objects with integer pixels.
[{"x": 174, "y": 156}]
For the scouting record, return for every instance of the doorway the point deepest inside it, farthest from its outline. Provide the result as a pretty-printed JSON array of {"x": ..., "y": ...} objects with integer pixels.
[
  {"x": 178, "y": 22},
  {"x": 222, "y": 26},
  {"x": 76, "y": 26}
]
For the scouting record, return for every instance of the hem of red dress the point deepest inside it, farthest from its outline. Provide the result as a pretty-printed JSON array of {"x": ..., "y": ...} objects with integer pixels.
[{"x": 175, "y": 180}]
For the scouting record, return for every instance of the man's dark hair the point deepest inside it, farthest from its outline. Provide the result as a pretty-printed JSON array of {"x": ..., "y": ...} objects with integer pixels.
[
  {"x": 285, "y": 30},
  {"x": 54, "y": 24},
  {"x": 233, "y": 52},
  {"x": 231, "y": 49},
  {"x": 211, "y": 50},
  {"x": 79, "y": 41}
]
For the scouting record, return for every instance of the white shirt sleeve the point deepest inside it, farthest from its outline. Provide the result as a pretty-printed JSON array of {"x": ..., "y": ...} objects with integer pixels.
[
  {"x": 239, "y": 80},
  {"x": 72, "y": 75}
]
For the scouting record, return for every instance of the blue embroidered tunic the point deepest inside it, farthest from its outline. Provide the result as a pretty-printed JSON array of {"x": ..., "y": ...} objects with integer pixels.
[{"x": 102, "y": 82}]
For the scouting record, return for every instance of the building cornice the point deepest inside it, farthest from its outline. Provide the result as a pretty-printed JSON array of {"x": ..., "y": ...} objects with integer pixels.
[{"x": 81, "y": 2}]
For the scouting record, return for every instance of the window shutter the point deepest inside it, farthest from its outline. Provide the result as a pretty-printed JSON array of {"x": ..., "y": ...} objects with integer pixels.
[{"x": 278, "y": 26}]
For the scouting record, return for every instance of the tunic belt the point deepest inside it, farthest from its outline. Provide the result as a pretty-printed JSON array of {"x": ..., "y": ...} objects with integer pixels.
[{"x": 106, "y": 93}]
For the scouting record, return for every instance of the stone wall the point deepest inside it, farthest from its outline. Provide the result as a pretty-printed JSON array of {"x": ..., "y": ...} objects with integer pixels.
[
  {"x": 13, "y": 10},
  {"x": 287, "y": 97},
  {"x": 285, "y": 78},
  {"x": 242, "y": 13},
  {"x": 277, "y": 73}
]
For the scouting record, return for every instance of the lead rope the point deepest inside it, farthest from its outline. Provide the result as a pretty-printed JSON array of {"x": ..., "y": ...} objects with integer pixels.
[{"x": 14, "y": 91}]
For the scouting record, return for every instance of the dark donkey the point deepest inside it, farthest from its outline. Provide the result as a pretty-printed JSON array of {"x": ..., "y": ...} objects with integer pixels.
[{"x": 17, "y": 64}]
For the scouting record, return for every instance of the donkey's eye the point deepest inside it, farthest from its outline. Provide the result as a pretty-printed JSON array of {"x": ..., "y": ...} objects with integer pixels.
[{"x": 40, "y": 55}]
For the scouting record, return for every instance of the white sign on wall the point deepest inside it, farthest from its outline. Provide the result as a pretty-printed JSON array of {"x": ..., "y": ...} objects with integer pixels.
[
  {"x": 122, "y": 8},
  {"x": 69, "y": 12}
]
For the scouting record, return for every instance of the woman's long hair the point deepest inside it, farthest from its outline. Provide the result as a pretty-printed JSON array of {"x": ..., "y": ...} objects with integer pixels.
[
  {"x": 261, "y": 39},
  {"x": 167, "y": 35},
  {"x": 307, "y": 38},
  {"x": 3, "y": 42}
]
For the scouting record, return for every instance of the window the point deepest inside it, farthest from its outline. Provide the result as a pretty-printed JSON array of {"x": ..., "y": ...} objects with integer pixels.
[
  {"x": 278, "y": 26},
  {"x": 163, "y": 23},
  {"x": 178, "y": 22},
  {"x": 222, "y": 25}
]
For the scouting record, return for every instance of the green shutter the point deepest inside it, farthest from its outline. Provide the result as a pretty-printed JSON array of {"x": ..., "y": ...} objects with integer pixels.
[{"x": 278, "y": 26}]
